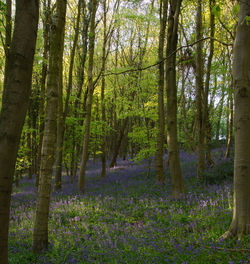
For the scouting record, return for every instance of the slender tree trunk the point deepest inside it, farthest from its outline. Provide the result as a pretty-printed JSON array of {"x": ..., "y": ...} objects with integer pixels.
[
  {"x": 207, "y": 126},
  {"x": 118, "y": 143},
  {"x": 230, "y": 127},
  {"x": 40, "y": 234},
  {"x": 219, "y": 117},
  {"x": 241, "y": 68},
  {"x": 81, "y": 182},
  {"x": 17, "y": 87},
  {"x": 81, "y": 77},
  {"x": 63, "y": 113},
  {"x": 29, "y": 144},
  {"x": 59, "y": 128},
  {"x": 159, "y": 169},
  {"x": 105, "y": 39},
  {"x": 199, "y": 91},
  {"x": 8, "y": 29},
  {"x": 171, "y": 88},
  {"x": 46, "y": 9}
]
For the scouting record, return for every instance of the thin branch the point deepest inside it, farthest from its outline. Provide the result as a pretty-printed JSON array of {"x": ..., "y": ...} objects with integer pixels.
[
  {"x": 157, "y": 63},
  {"x": 226, "y": 28}
]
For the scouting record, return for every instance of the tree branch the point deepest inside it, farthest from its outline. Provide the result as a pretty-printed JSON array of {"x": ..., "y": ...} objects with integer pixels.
[{"x": 157, "y": 63}]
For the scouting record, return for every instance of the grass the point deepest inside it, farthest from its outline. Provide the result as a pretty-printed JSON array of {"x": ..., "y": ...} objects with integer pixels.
[{"x": 127, "y": 218}]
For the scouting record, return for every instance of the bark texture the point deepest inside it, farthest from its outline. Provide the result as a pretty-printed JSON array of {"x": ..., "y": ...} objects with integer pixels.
[
  {"x": 15, "y": 102},
  {"x": 241, "y": 75},
  {"x": 40, "y": 234}
]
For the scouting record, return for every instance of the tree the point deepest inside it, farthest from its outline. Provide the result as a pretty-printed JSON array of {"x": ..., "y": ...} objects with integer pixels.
[
  {"x": 63, "y": 111},
  {"x": 160, "y": 137},
  {"x": 171, "y": 87},
  {"x": 40, "y": 234},
  {"x": 199, "y": 69},
  {"x": 206, "y": 113},
  {"x": 91, "y": 86},
  {"x": 46, "y": 18},
  {"x": 240, "y": 224},
  {"x": 17, "y": 89}
]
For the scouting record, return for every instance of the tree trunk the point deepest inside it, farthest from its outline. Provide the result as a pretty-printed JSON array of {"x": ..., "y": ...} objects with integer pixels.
[
  {"x": 230, "y": 127},
  {"x": 159, "y": 169},
  {"x": 81, "y": 182},
  {"x": 59, "y": 127},
  {"x": 171, "y": 87},
  {"x": 105, "y": 39},
  {"x": 62, "y": 114},
  {"x": 118, "y": 143},
  {"x": 81, "y": 77},
  {"x": 8, "y": 29},
  {"x": 40, "y": 234},
  {"x": 207, "y": 126},
  {"x": 46, "y": 8},
  {"x": 220, "y": 110},
  {"x": 199, "y": 91},
  {"x": 241, "y": 76},
  {"x": 15, "y": 102}
]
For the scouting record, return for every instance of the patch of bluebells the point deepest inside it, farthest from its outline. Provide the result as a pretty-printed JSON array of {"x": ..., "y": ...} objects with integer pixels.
[{"x": 128, "y": 218}]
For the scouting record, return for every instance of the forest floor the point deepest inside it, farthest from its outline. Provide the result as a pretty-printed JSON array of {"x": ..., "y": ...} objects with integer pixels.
[{"x": 128, "y": 218}]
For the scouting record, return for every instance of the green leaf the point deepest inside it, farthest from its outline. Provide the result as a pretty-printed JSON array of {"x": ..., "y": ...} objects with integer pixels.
[
  {"x": 236, "y": 9},
  {"x": 247, "y": 18},
  {"x": 2, "y": 6},
  {"x": 216, "y": 10}
]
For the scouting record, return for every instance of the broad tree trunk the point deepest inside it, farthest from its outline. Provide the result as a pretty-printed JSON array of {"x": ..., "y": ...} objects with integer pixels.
[
  {"x": 241, "y": 75},
  {"x": 17, "y": 87},
  {"x": 85, "y": 148},
  {"x": 159, "y": 169},
  {"x": 40, "y": 234},
  {"x": 173, "y": 147}
]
